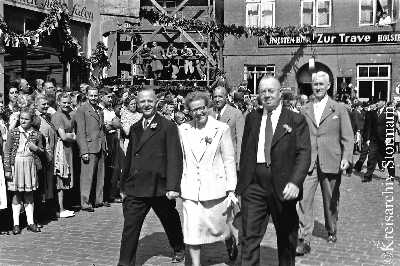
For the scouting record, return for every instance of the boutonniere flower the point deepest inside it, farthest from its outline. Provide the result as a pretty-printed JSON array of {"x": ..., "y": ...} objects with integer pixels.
[
  {"x": 287, "y": 128},
  {"x": 332, "y": 109},
  {"x": 208, "y": 140},
  {"x": 153, "y": 125}
]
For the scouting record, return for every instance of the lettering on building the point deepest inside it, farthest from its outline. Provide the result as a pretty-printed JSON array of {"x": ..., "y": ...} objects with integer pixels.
[{"x": 345, "y": 38}]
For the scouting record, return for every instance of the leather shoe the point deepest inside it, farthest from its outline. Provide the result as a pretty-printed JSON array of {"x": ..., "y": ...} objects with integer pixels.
[
  {"x": 232, "y": 248},
  {"x": 179, "y": 256},
  {"x": 302, "y": 248},
  {"x": 16, "y": 230},
  {"x": 106, "y": 204},
  {"x": 88, "y": 209},
  {"x": 332, "y": 238},
  {"x": 33, "y": 228}
]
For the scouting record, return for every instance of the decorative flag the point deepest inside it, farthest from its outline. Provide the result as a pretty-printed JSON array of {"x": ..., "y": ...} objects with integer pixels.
[{"x": 121, "y": 8}]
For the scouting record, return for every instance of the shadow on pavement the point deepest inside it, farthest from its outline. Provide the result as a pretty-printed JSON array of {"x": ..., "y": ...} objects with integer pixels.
[
  {"x": 319, "y": 230},
  {"x": 155, "y": 244}
]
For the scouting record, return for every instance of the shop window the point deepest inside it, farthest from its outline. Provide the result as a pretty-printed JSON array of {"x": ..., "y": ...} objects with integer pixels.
[
  {"x": 260, "y": 13},
  {"x": 378, "y": 12},
  {"x": 316, "y": 13},
  {"x": 373, "y": 81},
  {"x": 254, "y": 73}
]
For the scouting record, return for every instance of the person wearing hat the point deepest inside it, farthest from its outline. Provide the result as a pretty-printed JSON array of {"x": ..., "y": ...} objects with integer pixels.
[
  {"x": 376, "y": 132},
  {"x": 357, "y": 122}
]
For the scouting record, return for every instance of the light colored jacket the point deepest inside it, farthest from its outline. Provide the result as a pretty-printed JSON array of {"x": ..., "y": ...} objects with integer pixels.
[
  {"x": 209, "y": 171},
  {"x": 333, "y": 139},
  {"x": 235, "y": 120}
]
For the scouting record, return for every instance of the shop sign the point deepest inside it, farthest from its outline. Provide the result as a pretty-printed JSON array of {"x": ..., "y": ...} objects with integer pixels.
[
  {"x": 77, "y": 10},
  {"x": 348, "y": 38}
]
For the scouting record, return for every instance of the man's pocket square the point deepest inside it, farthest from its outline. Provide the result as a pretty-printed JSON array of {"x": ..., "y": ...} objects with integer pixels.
[{"x": 335, "y": 117}]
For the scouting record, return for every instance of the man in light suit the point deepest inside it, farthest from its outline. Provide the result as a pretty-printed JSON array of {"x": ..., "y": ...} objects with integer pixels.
[
  {"x": 235, "y": 120},
  {"x": 332, "y": 143},
  {"x": 276, "y": 155},
  {"x": 151, "y": 179},
  {"x": 91, "y": 140},
  {"x": 230, "y": 115}
]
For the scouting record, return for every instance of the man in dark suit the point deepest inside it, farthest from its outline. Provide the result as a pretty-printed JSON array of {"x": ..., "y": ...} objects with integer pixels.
[
  {"x": 368, "y": 111},
  {"x": 276, "y": 155},
  {"x": 376, "y": 133},
  {"x": 92, "y": 146},
  {"x": 151, "y": 179},
  {"x": 357, "y": 117}
]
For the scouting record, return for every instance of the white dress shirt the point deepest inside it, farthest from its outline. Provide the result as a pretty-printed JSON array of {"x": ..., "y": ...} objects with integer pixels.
[
  {"x": 319, "y": 109},
  {"x": 261, "y": 136},
  {"x": 109, "y": 115}
]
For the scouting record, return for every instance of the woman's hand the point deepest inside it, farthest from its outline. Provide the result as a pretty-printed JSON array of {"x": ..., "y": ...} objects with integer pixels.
[{"x": 32, "y": 147}]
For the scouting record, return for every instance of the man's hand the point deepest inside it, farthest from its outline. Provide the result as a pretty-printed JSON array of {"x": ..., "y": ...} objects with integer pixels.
[
  {"x": 172, "y": 195},
  {"x": 85, "y": 158},
  {"x": 291, "y": 191},
  {"x": 344, "y": 164},
  {"x": 368, "y": 142}
]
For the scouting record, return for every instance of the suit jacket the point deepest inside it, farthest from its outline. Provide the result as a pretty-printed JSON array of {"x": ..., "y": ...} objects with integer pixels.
[
  {"x": 376, "y": 127},
  {"x": 290, "y": 151},
  {"x": 90, "y": 128},
  {"x": 209, "y": 169},
  {"x": 333, "y": 139},
  {"x": 235, "y": 120},
  {"x": 357, "y": 120},
  {"x": 153, "y": 163}
]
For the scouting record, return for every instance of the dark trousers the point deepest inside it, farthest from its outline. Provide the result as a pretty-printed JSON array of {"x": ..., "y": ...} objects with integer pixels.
[
  {"x": 135, "y": 210},
  {"x": 363, "y": 156},
  {"x": 92, "y": 179},
  {"x": 376, "y": 154},
  {"x": 111, "y": 189},
  {"x": 258, "y": 202}
]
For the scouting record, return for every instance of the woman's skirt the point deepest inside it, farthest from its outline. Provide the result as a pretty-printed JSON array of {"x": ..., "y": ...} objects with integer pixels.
[
  {"x": 24, "y": 175},
  {"x": 205, "y": 222}
]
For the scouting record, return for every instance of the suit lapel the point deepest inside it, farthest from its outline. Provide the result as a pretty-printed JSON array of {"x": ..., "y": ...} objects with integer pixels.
[
  {"x": 226, "y": 115},
  {"x": 280, "y": 131},
  {"x": 149, "y": 131},
  {"x": 257, "y": 124},
  {"x": 329, "y": 109},
  {"x": 93, "y": 113},
  {"x": 211, "y": 132},
  {"x": 309, "y": 111}
]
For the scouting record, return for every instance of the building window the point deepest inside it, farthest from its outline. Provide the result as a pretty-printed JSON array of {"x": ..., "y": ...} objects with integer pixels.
[
  {"x": 254, "y": 73},
  {"x": 260, "y": 13},
  {"x": 316, "y": 13},
  {"x": 378, "y": 12},
  {"x": 373, "y": 81}
]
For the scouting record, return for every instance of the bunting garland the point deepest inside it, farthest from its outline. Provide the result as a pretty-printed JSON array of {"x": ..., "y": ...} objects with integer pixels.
[
  {"x": 212, "y": 27},
  {"x": 58, "y": 19}
]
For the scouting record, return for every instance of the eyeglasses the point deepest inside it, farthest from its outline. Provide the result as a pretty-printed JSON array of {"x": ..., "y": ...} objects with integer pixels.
[{"x": 198, "y": 109}]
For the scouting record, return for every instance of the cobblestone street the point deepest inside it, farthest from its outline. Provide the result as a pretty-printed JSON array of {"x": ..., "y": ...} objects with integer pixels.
[{"x": 94, "y": 239}]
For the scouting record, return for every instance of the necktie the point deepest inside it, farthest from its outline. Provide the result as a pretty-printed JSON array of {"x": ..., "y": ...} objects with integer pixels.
[
  {"x": 268, "y": 139},
  {"x": 146, "y": 123},
  {"x": 219, "y": 115}
]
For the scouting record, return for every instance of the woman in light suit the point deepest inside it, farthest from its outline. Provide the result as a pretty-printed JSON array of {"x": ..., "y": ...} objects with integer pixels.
[{"x": 209, "y": 177}]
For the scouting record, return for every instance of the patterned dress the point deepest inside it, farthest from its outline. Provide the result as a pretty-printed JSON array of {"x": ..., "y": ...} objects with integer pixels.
[
  {"x": 63, "y": 154},
  {"x": 24, "y": 171}
]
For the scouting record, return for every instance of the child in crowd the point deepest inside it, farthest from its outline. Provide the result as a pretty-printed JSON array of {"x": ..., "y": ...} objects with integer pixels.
[{"x": 21, "y": 163}]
